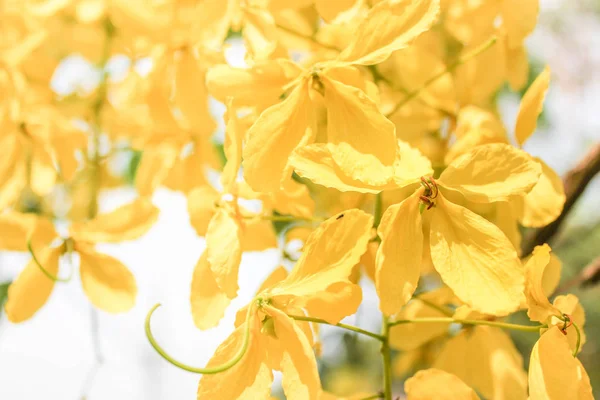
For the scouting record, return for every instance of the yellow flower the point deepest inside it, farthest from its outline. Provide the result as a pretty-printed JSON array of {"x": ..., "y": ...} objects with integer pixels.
[
  {"x": 486, "y": 359},
  {"x": 107, "y": 283},
  {"x": 473, "y": 256},
  {"x": 351, "y": 113},
  {"x": 553, "y": 371},
  {"x": 317, "y": 287},
  {"x": 542, "y": 272}
]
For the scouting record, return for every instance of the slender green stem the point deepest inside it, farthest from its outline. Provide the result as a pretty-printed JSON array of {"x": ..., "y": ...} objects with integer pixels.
[
  {"x": 496, "y": 324},
  {"x": 578, "y": 344},
  {"x": 387, "y": 359},
  {"x": 378, "y": 212},
  {"x": 461, "y": 60},
  {"x": 211, "y": 370},
  {"x": 94, "y": 159},
  {"x": 50, "y": 275},
  {"x": 446, "y": 311},
  {"x": 286, "y": 218},
  {"x": 339, "y": 325},
  {"x": 310, "y": 39}
]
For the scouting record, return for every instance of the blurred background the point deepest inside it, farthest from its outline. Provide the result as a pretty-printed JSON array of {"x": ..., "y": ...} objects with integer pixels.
[{"x": 53, "y": 356}]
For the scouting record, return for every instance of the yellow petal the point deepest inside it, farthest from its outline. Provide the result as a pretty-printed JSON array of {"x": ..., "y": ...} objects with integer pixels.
[
  {"x": 30, "y": 291},
  {"x": 201, "y": 157},
  {"x": 315, "y": 162},
  {"x": 278, "y": 274},
  {"x": 201, "y": 207},
  {"x": 470, "y": 140},
  {"x": 413, "y": 67},
  {"x": 14, "y": 230},
  {"x": 260, "y": 86},
  {"x": 293, "y": 199},
  {"x": 470, "y": 21},
  {"x": 531, "y": 106},
  {"x": 539, "y": 308},
  {"x": 517, "y": 64},
  {"x": 435, "y": 384},
  {"x": 485, "y": 359},
  {"x": 360, "y": 167},
  {"x": 154, "y": 167},
  {"x": 475, "y": 259},
  {"x": 553, "y": 371},
  {"x": 329, "y": 10},
  {"x": 390, "y": 25},
  {"x": 493, "y": 172},
  {"x": 208, "y": 301},
  {"x": 223, "y": 247},
  {"x": 398, "y": 262},
  {"x": 191, "y": 96},
  {"x": 520, "y": 18},
  {"x": 127, "y": 222},
  {"x": 329, "y": 255},
  {"x": 334, "y": 304},
  {"x": 107, "y": 283},
  {"x": 258, "y": 235},
  {"x": 551, "y": 277},
  {"x": 407, "y": 337},
  {"x": 232, "y": 146},
  {"x": 274, "y": 136},
  {"x": 297, "y": 360},
  {"x": 260, "y": 33},
  {"x": 353, "y": 118},
  {"x": 477, "y": 80},
  {"x": 249, "y": 379},
  {"x": 472, "y": 117},
  {"x": 410, "y": 165},
  {"x": 546, "y": 200},
  {"x": 570, "y": 305}
]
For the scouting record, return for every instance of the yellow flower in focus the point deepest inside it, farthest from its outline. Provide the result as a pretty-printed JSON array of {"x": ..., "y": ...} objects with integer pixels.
[
  {"x": 553, "y": 371},
  {"x": 317, "y": 287}
]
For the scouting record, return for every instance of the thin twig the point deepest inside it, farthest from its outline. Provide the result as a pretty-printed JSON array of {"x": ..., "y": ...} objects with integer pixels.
[
  {"x": 98, "y": 357},
  {"x": 575, "y": 183},
  {"x": 588, "y": 276}
]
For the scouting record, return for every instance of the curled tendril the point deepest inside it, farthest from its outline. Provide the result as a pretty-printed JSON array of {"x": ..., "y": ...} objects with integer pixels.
[
  {"x": 567, "y": 322},
  {"x": 207, "y": 371},
  {"x": 578, "y": 343},
  {"x": 48, "y": 274}
]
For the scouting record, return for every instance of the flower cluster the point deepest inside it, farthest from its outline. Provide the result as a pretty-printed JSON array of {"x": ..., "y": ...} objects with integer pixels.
[{"x": 368, "y": 129}]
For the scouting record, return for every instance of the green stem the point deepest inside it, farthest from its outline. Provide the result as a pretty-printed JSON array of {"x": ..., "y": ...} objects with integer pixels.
[
  {"x": 387, "y": 359},
  {"x": 94, "y": 160},
  {"x": 578, "y": 344},
  {"x": 378, "y": 212},
  {"x": 446, "y": 311},
  {"x": 339, "y": 325},
  {"x": 50, "y": 275},
  {"x": 461, "y": 60},
  {"x": 286, "y": 218},
  {"x": 311, "y": 39},
  {"x": 503, "y": 325},
  {"x": 212, "y": 370}
]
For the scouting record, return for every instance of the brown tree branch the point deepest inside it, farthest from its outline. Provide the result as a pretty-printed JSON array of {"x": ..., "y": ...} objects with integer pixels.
[
  {"x": 575, "y": 183},
  {"x": 588, "y": 276}
]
